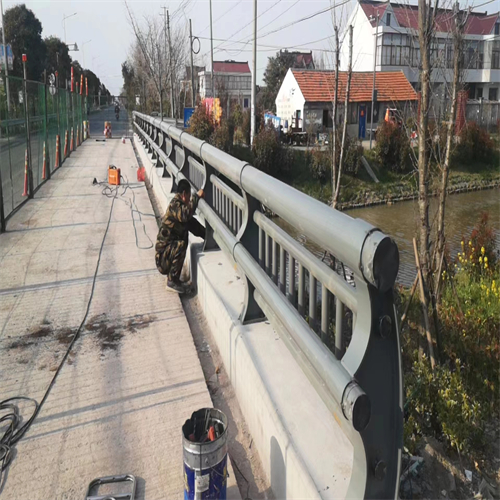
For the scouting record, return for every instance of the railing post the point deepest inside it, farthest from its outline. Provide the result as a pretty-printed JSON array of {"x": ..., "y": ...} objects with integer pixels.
[
  {"x": 248, "y": 236},
  {"x": 210, "y": 243}
]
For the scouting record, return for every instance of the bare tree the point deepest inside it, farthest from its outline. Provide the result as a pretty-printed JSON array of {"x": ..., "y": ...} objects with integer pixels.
[
  {"x": 159, "y": 65},
  {"x": 426, "y": 18},
  {"x": 457, "y": 34},
  {"x": 346, "y": 115}
]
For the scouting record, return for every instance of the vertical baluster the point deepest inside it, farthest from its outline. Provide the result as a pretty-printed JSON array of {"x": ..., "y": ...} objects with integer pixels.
[
  {"x": 339, "y": 316},
  {"x": 275, "y": 262},
  {"x": 235, "y": 224},
  {"x": 302, "y": 284},
  {"x": 261, "y": 247},
  {"x": 214, "y": 197},
  {"x": 229, "y": 213},
  {"x": 268, "y": 255},
  {"x": 291, "y": 279},
  {"x": 325, "y": 313},
  {"x": 312, "y": 301},
  {"x": 282, "y": 270}
]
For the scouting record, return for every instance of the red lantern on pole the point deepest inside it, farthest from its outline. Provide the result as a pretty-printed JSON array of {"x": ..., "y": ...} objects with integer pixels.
[
  {"x": 86, "y": 87},
  {"x": 72, "y": 80},
  {"x": 81, "y": 84},
  {"x": 25, "y": 58}
]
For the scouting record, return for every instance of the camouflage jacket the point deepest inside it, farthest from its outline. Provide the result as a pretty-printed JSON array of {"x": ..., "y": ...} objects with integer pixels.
[{"x": 174, "y": 223}]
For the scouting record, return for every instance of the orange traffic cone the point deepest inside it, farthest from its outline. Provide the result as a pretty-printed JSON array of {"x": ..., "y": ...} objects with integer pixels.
[
  {"x": 44, "y": 168},
  {"x": 25, "y": 192},
  {"x": 56, "y": 164},
  {"x": 66, "y": 144},
  {"x": 72, "y": 143}
]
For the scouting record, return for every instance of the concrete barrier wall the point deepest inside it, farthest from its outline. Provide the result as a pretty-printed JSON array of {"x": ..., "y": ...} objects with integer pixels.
[{"x": 302, "y": 449}]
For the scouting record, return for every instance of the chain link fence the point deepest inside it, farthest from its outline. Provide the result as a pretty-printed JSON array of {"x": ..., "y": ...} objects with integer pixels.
[{"x": 39, "y": 127}]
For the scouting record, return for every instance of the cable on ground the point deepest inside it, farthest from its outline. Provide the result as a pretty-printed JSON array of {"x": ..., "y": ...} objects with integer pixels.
[{"x": 15, "y": 431}]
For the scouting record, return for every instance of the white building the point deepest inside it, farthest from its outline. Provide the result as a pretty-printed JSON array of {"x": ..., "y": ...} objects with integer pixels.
[
  {"x": 304, "y": 100},
  {"x": 398, "y": 46},
  {"x": 231, "y": 77}
]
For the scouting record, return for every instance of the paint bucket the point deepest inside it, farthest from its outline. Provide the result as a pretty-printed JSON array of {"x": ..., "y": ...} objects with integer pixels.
[{"x": 204, "y": 438}]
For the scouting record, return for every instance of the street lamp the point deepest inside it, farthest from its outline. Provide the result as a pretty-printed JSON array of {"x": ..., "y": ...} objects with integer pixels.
[
  {"x": 83, "y": 51},
  {"x": 64, "y": 23}
]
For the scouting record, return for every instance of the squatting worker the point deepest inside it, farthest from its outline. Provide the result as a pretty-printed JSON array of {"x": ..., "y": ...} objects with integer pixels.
[{"x": 172, "y": 240}]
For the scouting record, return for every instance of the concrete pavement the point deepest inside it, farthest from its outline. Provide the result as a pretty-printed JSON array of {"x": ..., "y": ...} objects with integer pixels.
[{"x": 133, "y": 376}]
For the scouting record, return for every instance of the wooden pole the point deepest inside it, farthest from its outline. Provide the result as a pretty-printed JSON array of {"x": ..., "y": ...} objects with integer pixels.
[
  {"x": 412, "y": 293},
  {"x": 423, "y": 302}
]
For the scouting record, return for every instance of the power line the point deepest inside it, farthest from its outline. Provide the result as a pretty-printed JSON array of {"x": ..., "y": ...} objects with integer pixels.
[
  {"x": 306, "y": 18},
  {"x": 248, "y": 24},
  {"x": 220, "y": 17},
  {"x": 481, "y": 4},
  {"x": 265, "y": 25}
]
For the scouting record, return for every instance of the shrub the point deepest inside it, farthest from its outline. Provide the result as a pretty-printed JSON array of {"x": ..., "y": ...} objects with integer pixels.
[
  {"x": 320, "y": 163},
  {"x": 321, "y": 160},
  {"x": 245, "y": 126},
  {"x": 270, "y": 155},
  {"x": 462, "y": 394},
  {"x": 475, "y": 145},
  {"x": 223, "y": 135},
  {"x": 393, "y": 147},
  {"x": 201, "y": 124},
  {"x": 237, "y": 115}
]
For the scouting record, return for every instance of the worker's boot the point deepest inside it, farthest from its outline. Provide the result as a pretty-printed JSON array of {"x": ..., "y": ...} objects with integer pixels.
[{"x": 175, "y": 286}]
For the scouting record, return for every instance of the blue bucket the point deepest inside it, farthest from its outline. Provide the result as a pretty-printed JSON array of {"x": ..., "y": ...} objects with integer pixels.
[{"x": 204, "y": 438}]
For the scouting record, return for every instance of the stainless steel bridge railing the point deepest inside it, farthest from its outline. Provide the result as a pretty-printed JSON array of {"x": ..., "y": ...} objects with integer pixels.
[{"x": 339, "y": 321}]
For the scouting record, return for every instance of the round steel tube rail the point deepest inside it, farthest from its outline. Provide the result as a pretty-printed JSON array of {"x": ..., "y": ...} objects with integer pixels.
[
  {"x": 336, "y": 232},
  {"x": 378, "y": 260}
]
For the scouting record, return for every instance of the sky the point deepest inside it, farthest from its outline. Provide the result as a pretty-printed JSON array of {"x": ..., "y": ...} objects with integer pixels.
[{"x": 106, "y": 25}]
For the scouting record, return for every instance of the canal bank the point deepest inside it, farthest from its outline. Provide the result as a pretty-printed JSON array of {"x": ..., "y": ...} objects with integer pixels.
[
  {"x": 400, "y": 221},
  {"x": 371, "y": 198}
]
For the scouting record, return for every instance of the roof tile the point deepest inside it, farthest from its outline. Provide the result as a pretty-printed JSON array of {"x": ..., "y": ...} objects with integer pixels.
[{"x": 318, "y": 86}]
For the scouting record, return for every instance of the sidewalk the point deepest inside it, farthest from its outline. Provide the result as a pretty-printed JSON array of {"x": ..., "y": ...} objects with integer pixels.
[{"x": 133, "y": 376}]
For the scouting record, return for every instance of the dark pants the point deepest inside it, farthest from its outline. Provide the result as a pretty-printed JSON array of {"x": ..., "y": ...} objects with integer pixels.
[{"x": 171, "y": 259}]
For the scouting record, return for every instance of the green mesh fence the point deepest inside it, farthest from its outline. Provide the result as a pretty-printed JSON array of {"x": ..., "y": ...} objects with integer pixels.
[{"x": 49, "y": 114}]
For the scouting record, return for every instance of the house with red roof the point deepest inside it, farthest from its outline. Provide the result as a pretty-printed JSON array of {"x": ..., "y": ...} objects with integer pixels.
[
  {"x": 394, "y": 28},
  {"x": 233, "y": 78},
  {"x": 304, "y": 101}
]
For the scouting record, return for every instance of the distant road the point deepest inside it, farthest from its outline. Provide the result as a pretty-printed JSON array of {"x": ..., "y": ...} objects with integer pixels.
[{"x": 119, "y": 128}]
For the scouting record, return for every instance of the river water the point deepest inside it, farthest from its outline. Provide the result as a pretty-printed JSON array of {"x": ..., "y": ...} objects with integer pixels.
[{"x": 400, "y": 222}]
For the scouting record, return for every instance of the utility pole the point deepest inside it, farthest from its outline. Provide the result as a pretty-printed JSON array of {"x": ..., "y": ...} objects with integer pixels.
[
  {"x": 254, "y": 74},
  {"x": 374, "y": 92},
  {"x": 212, "y": 51},
  {"x": 6, "y": 58},
  {"x": 172, "y": 102},
  {"x": 192, "y": 68}
]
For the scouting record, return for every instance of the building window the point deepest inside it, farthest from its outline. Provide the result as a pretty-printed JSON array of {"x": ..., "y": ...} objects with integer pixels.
[
  {"x": 495, "y": 55},
  {"x": 387, "y": 19},
  {"x": 245, "y": 102},
  {"x": 493, "y": 94},
  {"x": 497, "y": 29},
  {"x": 479, "y": 93},
  {"x": 395, "y": 50}
]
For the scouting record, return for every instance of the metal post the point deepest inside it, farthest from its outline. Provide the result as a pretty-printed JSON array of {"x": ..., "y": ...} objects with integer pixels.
[
  {"x": 46, "y": 118},
  {"x": 27, "y": 118},
  {"x": 192, "y": 69},
  {"x": 373, "y": 85},
  {"x": 212, "y": 51},
  {"x": 6, "y": 58},
  {"x": 254, "y": 73}
]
